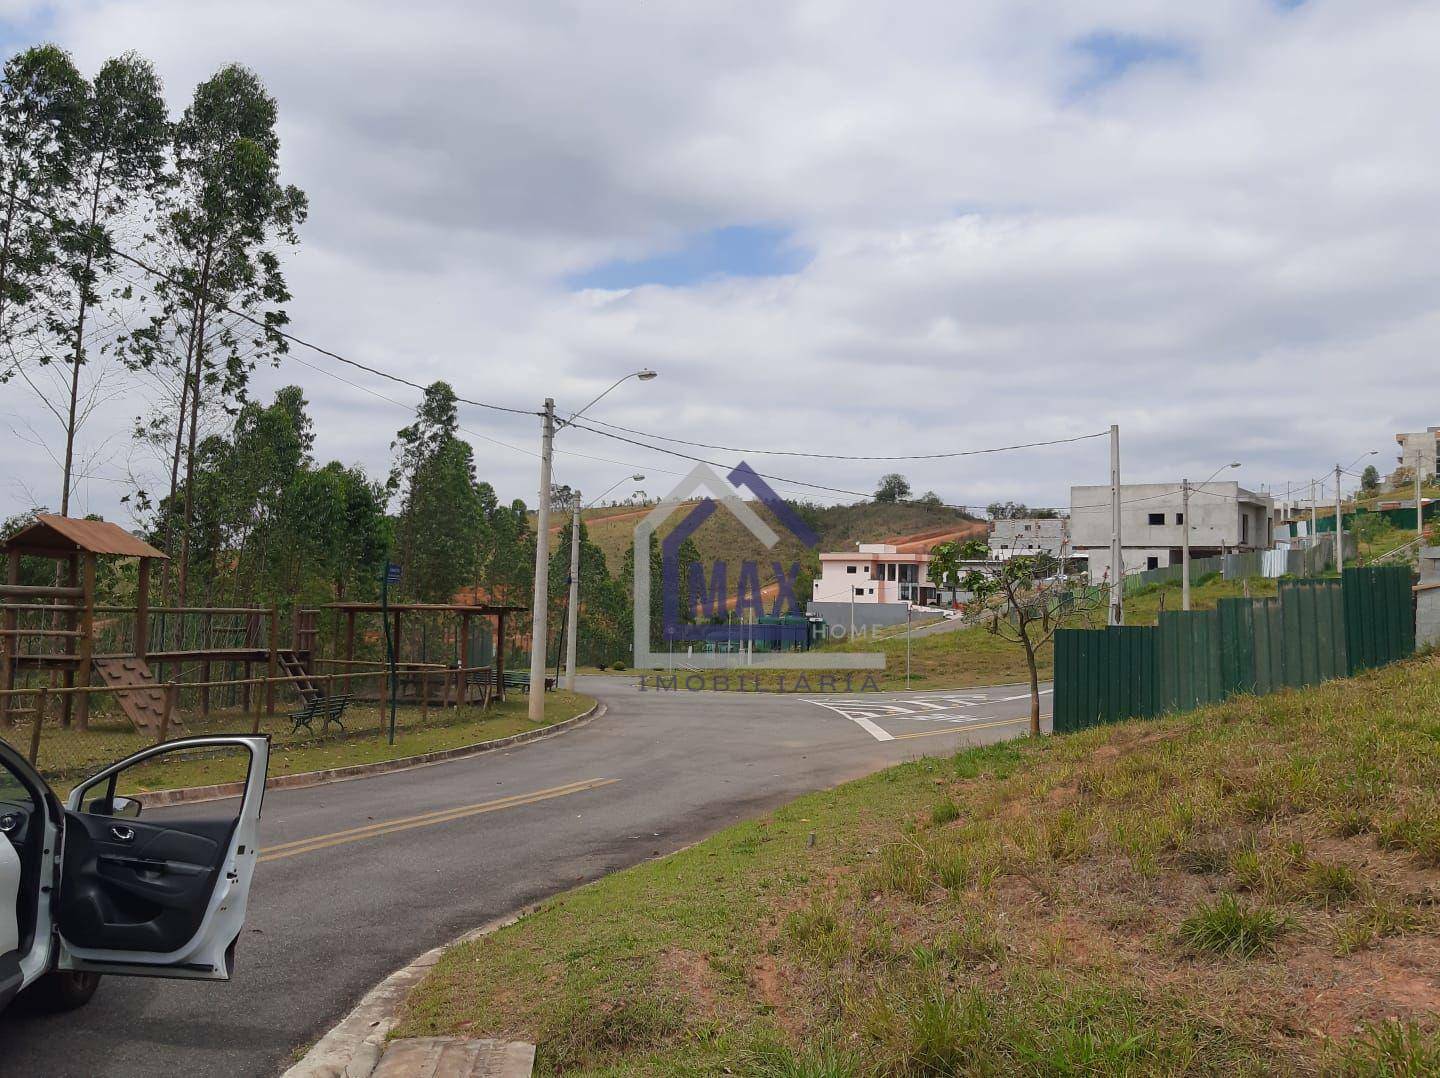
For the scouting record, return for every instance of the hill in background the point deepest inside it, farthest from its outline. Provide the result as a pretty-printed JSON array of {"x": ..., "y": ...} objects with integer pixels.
[{"x": 910, "y": 525}]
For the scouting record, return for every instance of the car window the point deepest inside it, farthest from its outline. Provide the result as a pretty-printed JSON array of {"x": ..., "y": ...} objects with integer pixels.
[{"x": 12, "y": 790}]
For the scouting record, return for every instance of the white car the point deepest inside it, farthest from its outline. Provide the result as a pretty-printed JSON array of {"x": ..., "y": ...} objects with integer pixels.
[{"x": 89, "y": 889}]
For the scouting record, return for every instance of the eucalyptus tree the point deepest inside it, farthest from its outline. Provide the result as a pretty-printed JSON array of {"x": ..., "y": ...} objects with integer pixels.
[
  {"x": 441, "y": 516},
  {"x": 223, "y": 288},
  {"x": 120, "y": 134},
  {"x": 40, "y": 94}
]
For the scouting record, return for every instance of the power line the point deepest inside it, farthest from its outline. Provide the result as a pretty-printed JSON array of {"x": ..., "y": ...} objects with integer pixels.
[
  {"x": 276, "y": 330},
  {"x": 849, "y": 456}
]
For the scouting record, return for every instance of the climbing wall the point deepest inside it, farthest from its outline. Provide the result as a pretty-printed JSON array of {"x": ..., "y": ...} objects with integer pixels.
[{"x": 144, "y": 703}]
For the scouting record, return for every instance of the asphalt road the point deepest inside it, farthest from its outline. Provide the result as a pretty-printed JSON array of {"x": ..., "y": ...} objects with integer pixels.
[{"x": 357, "y": 878}]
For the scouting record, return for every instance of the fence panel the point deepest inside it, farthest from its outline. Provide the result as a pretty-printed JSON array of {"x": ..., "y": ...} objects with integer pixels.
[{"x": 1314, "y": 630}]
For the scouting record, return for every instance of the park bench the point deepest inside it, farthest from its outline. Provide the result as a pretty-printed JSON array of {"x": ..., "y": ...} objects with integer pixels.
[
  {"x": 520, "y": 681},
  {"x": 326, "y": 708}
]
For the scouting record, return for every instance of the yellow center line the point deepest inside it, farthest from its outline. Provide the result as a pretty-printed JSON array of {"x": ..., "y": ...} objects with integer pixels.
[
  {"x": 963, "y": 729},
  {"x": 406, "y": 823}
]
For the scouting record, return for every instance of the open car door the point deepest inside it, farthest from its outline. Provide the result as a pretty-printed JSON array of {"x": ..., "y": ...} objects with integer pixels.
[{"x": 163, "y": 895}]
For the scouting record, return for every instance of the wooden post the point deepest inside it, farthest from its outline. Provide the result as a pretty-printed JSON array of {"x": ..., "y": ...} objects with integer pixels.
[
  {"x": 142, "y": 612},
  {"x": 87, "y": 645},
  {"x": 273, "y": 635},
  {"x": 500, "y": 656},
  {"x": 424, "y": 673},
  {"x": 245, "y": 688},
  {"x": 172, "y": 695},
  {"x": 258, "y": 698},
  {"x": 206, "y": 624},
  {"x": 349, "y": 645},
  {"x": 71, "y": 621},
  {"x": 41, "y": 702},
  {"x": 329, "y": 686},
  {"x": 9, "y": 643}
]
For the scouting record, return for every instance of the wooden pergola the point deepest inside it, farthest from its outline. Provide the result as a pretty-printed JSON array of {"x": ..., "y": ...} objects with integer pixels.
[
  {"x": 464, "y": 612},
  {"x": 76, "y": 544}
]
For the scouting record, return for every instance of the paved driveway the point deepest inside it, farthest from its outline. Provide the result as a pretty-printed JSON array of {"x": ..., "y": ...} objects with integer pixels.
[{"x": 356, "y": 878}]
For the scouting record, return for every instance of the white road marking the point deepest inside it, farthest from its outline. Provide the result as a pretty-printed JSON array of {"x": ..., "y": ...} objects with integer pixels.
[{"x": 935, "y": 706}]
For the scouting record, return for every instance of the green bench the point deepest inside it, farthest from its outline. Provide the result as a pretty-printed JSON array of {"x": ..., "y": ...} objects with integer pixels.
[
  {"x": 328, "y": 709},
  {"x": 520, "y": 681}
]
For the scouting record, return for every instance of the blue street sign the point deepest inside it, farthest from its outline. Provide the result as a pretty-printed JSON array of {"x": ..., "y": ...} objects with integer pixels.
[{"x": 392, "y": 573}]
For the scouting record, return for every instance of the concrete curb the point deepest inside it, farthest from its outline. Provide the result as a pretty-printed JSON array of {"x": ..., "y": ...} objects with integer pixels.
[
  {"x": 360, "y": 771},
  {"x": 353, "y": 1047}
]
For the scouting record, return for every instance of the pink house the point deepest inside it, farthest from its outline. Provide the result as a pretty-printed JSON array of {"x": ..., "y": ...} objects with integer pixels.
[{"x": 876, "y": 573}]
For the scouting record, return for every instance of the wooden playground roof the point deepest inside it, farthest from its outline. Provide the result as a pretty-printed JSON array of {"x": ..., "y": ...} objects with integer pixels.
[
  {"x": 425, "y": 608},
  {"x": 52, "y": 535}
]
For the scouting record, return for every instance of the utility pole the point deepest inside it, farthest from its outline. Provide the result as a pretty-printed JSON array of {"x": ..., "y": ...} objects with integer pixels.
[
  {"x": 1339, "y": 528},
  {"x": 572, "y": 619},
  {"x": 1419, "y": 514},
  {"x": 1185, "y": 544},
  {"x": 540, "y": 606},
  {"x": 1314, "y": 527},
  {"x": 1117, "y": 562}
]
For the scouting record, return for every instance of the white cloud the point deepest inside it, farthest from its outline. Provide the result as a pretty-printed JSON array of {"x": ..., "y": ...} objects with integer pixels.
[{"x": 1229, "y": 256}]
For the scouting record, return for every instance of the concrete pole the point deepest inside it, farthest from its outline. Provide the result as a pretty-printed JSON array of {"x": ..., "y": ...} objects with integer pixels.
[
  {"x": 1117, "y": 560},
  {"x": 540, "y": 606},
  {"x": 1339, "y": 527},
  {"x": 1419, "y": 514},
  {"x": 1185, "y": 544},
  {"x": 572, "y": 619},
  {"x": 1314, "y": 527}
]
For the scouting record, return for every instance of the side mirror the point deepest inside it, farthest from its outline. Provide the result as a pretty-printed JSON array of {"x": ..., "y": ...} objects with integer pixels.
[{"x": 121, "y": 808}]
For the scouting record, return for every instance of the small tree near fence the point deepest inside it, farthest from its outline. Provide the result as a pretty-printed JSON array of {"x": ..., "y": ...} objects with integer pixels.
[{"x": 1023, "y": 599}]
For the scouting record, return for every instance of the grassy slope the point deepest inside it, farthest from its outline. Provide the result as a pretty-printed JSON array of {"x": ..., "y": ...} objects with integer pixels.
[
  {"x": 973, "y": 656},
  {"x": 1249, "y": 888},
  {"x": 67, "y": 756}
]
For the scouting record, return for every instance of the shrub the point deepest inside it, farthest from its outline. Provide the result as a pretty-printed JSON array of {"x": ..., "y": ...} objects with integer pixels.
[{"x": 1227, "y": 927}]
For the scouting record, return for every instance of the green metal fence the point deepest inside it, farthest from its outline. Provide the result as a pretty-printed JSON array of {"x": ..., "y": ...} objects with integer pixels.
[{"x": 1314, "y": 630}]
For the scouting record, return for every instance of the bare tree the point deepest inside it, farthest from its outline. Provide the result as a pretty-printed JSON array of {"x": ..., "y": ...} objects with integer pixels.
[{"x": 1022, "y": 598}]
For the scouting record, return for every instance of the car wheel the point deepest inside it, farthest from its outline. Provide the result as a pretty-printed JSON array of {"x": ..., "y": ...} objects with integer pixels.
[{"x": 63, "y": 990}]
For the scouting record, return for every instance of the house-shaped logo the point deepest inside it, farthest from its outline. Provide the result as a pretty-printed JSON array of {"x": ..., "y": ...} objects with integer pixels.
[{"x": 697, "y": 633}]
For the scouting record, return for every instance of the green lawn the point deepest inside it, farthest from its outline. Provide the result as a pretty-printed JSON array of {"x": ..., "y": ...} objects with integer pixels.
[
  {"x": 1250, "y": 888},
  {"x": 66, "y": 756}
]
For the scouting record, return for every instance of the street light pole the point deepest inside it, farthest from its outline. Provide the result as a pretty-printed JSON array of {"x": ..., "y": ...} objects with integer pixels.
[
  {"x": 1117, "y": 562},
  {"x": 1185, "y": 534},
  {"x": 572, "y": 609},
  {"x": 541, "y": 600},
  {"x": 1339, "y": 528},
  {"x": 572, "y": 618},
  {"x": 1185, "y": 544}
]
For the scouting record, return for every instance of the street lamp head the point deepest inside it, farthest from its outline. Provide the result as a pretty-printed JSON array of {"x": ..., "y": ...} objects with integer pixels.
[
  {"x": 637, "y": 477},
  {"x": 1236, "y": 464},
  {"x": 645, "y": 374}
]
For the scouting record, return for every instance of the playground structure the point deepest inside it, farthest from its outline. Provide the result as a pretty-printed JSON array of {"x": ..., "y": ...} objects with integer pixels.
[
  {"x": 143, "y": 654},
  {"x": 457, "y": 646}
]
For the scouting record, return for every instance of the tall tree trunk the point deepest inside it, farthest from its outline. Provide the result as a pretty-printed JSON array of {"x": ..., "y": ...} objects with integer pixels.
[
  {"x": 78, "y": 355},
  {"x": 181, "y": 412},
  {"x": 199, "y": 366},
  {"x": 1033, "y": 663}
]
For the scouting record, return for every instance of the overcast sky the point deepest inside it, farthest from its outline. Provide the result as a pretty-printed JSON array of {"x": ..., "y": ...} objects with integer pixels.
[{"x": 836, "y": 227}]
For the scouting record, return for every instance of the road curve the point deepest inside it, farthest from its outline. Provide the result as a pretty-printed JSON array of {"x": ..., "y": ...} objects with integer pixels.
[{"x": 356, "y": 878}]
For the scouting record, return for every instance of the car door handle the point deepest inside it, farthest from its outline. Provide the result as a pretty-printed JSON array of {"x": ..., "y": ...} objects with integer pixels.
[{"x": 123, "y": 834}]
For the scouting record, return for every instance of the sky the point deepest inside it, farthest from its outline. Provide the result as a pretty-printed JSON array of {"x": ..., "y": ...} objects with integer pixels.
[{"x": 832, "y": 227}]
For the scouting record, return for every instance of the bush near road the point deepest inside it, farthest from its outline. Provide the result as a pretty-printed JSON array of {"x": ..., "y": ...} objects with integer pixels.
[{"x": 1248, "y": 888}]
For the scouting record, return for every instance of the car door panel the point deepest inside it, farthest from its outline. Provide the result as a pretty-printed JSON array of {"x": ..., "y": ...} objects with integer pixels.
[
  {"x": 162, "y": 896},
  {"x": 138, "y": 885}
]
